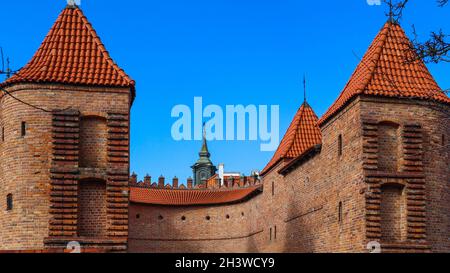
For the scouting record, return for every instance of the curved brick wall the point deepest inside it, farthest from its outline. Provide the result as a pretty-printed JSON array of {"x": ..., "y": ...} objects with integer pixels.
[
  {"x": 227, "y": 228},
  {"x": 26, "y": 161}
]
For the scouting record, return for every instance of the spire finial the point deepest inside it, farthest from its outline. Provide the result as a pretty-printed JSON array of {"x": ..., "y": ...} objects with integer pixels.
[
  {"x": 304, "y": 87},
  {"x": 395, "y": 11},
  {"x": 204, "y": 151},
  {"x": 73, "y": 3},
  {"x": 391, "y": 11}
]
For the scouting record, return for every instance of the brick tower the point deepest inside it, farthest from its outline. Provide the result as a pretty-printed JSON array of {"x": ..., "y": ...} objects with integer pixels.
[
  {"x": 402, "y": 139},
  {"x": 373, "y": 171},
  {"x": 64, "y": 148}
]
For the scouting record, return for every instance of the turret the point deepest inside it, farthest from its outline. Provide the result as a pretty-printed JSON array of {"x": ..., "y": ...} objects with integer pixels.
[{"x": 65, "y": 136}]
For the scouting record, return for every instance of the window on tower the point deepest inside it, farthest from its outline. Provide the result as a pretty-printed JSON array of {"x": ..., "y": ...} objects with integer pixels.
[
  {"x": 340, "y": 145},
  {"x": 23, "y": 129},
  {"x": 9, "y": 202}
]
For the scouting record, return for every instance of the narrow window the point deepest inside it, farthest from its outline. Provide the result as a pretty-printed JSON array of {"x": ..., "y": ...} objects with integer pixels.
[
  {"x": 3, "y": 134},
  {"x": 9, "y": 202},
  {"x": 340, "y": 145},
  {"x": 270, "y": 238},
  {"x": 393, "y": 213},
  {"x": 340, "y": 212},
  {"x": 275, "y": 233},
  {"x": 273, "y": 188},
  {"x": 23, "y": 129}
]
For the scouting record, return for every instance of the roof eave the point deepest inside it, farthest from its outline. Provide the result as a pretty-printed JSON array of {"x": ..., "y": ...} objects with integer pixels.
[{"x": 300, "y": 159}]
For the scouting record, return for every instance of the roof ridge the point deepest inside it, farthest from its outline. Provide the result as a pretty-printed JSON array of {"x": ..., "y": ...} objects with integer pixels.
[
  {"x": 99, "y": 42},
  {"x": 301, "y": 134},
  {"x": 377, "y": 57},
  {"x": 364, "y": 86},
  {"x": 200, "y": 189},
  {"x": 296, "y": 127}
]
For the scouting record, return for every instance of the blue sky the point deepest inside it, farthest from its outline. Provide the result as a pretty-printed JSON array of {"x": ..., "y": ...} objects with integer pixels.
[{"x": 228, "y": 52}]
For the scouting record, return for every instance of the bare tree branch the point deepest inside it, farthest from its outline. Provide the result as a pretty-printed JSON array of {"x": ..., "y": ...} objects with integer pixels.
[
  {"x": 434, "y": 50},
  {"x": 442, "y": 3}
]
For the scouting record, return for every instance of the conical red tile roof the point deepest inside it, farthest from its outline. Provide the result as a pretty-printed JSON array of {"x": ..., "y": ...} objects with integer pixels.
[
  {"x": 387, "y": 70},
  {"x": 302, "y": 134},
  {"x": 72, "y": 53}
]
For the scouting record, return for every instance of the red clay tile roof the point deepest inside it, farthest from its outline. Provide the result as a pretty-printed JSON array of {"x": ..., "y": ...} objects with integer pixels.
[
  {"x": 302, "y": 134},
  {"x": 176, "y": 197},
  {"x": 72, "y": 53},
  {"x": 387, "y": 70}
]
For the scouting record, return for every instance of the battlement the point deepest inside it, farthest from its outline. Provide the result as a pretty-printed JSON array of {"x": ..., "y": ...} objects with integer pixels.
[{"x": 229, "y": 182}]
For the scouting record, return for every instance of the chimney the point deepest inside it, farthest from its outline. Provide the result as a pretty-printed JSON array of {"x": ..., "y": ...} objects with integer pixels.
[
  {"x": 133, "y": 179},
  {"x": 175, "y": 183},
  {"x": 242, "y": 181},
  {"x": 147, "y": 181},
  {"x": 161, "y": 182},
  {"x": 190, "y": 183},
  {"x": 221, "y": 173},
  {"x": 204, "y": 184},
  {"x": 218, "y": 183}
]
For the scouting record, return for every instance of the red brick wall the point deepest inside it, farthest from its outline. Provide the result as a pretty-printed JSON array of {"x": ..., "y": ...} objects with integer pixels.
[
  {"x": 304, "y": 209},
  {"x": 300, "y": 216},
  {"x": 308, "y": 198},
  {"x": 433, "y": 162},
  {"x": 388, "y": 147},
  {"x": 230, "y": 228},
  {"x": 219, "y": 228},
  {"x": 93, "y": 142},
  {"x": 92, "y": 220}
]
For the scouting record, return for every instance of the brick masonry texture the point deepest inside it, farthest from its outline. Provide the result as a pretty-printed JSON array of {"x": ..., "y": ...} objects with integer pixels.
[
  {"x": 92, "y": 214},
  {"x": 93, "y": 142},
  {"x": 330, "y": 202},
  {"x": 44, "y": 184},
  {"x": 374, "y": 168}
]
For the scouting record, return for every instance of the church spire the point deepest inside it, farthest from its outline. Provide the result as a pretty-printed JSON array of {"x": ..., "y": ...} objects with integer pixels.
[
  {"x": 203, "y": 169},
  {"x": 304, "y": 89},
  {"x": 204, "y": 151}
]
